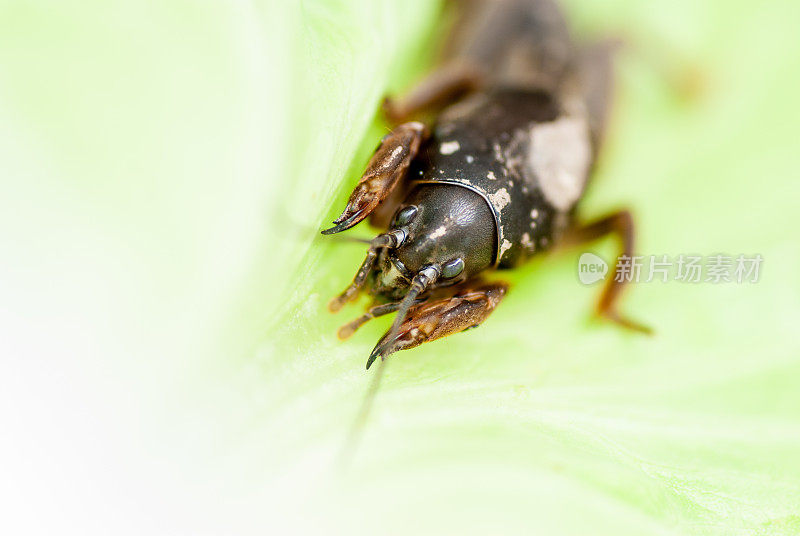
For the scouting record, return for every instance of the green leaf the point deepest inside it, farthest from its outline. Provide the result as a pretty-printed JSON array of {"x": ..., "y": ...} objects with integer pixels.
[{"x": 166, "y": 171}]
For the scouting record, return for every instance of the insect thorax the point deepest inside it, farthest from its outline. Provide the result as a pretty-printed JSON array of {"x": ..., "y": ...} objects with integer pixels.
[{"x": 525, "y": 156}]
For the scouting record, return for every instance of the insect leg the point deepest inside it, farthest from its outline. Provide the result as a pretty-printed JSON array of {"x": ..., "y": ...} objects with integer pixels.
[
  {"x": 350, "y": 293},
  {"x": 468, "y": 307},
  {"x": 621, "y": 224},
  {"x": 385, "y": 171},
  {"x": 442, "y": 87},
  {"x": 374, "y": 312}
]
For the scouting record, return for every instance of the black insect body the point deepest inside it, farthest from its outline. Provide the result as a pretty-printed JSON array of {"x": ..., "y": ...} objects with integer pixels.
[{"x": 494, "y": 182}]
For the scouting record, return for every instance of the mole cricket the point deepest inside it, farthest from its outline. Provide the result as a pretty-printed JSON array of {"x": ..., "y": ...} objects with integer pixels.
[{"x": 493, "y": 180}]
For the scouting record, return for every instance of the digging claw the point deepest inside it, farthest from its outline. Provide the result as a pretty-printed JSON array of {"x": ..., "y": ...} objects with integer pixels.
[
  {"x": 344, "y": 223},
  {"x": 431, "y": 320},
  {"x": 374, "y": 355},
  {"x": 383, "y": 349},
  {"x": 385, "y": 170}
]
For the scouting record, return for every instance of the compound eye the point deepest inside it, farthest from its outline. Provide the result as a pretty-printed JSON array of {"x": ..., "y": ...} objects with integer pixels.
[
  {"x": 405, "y": 215},
  {"x": 453, "y": 268}
]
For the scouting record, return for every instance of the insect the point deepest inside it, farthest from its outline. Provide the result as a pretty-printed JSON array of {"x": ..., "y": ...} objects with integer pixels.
[{"x": 491, "y": 181}]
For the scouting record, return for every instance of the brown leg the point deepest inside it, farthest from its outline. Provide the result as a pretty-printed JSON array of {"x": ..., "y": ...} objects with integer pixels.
[
  {"x": 385, "y": 170},
  {"x": 351, "y": 292},
  {"x": 621, "y": 224},
  {"x": 382, "y": 216},
  {"x": 469, "y": 306},
  {"x": 348, "y": 329},
  {"x": 443, "y": 86}
]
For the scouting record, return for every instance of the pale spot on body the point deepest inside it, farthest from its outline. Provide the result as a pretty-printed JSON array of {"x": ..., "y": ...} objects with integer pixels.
[
  {"x": 559, "y": 157},
  {"x": 449, "y": 147},
  {"x": 438, "y": 233},
  {"x": 504, "y": 247},
  {"x": 491, "y": 176},
  {"x": 500, "y": 198},
  {"x": 526, "y": 240},
  {"x": 470, "y": 159},
  {"x": 498, "y": 152}
]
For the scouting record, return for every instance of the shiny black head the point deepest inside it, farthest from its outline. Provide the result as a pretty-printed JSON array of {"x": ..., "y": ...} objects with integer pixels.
[{"x": 444, "y": 226}]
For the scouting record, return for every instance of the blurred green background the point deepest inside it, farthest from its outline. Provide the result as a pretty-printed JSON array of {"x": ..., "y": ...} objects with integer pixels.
[{"x": 171, "y": 367}]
